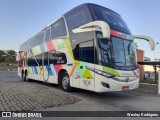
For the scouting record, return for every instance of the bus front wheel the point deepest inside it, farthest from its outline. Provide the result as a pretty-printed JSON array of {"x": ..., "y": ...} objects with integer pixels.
[{"x": 65, "y": 83}]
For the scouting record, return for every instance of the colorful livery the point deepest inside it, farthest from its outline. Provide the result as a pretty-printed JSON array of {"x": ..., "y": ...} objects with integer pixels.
[{"x": 90, "y": 47}]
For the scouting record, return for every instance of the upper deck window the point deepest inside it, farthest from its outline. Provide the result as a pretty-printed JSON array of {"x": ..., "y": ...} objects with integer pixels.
[
  {"x": 48, "y": 34},
  {"x": 37, "y": 40},
  {"x": 113, "y": 19},
  {"x": 77, "y": 17},
  {"x": 58, "y": 29}
]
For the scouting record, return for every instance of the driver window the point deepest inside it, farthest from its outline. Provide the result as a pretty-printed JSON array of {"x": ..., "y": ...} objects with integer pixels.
[
  {"x": 84, "y": 51},
  {"x": 105, "y": 50},
  {"x": 87, "y": 51}
]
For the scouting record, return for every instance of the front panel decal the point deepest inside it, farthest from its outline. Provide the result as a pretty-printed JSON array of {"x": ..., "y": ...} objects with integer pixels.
[
  {"x": 111, "y": 71},
  {"x": 121, "y": 35},
  {"x": 35, "y": 70},
  {"x": 73, "y": 69},
  {"x": 87, "y": 74},
  {"x": 49, "y": 70}
]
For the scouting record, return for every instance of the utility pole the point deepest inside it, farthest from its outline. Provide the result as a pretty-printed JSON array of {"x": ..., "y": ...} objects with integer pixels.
[{"x": 155, "y": 52}]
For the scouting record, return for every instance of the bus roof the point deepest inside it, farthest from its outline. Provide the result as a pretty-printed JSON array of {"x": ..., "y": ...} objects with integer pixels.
[
  {"x": 78, "y": 7},
  {"x": 88, "y": 6}
]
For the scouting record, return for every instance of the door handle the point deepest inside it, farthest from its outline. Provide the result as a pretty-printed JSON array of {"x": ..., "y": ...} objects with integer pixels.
[{"x": 81, "y": 67}]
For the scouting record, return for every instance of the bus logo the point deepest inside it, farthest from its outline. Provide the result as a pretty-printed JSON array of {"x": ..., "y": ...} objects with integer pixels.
[{"x": 127, "y": 79}]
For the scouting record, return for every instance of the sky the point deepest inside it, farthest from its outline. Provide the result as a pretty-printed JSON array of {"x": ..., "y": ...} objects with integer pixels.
[{"x": 21, "y": 19}]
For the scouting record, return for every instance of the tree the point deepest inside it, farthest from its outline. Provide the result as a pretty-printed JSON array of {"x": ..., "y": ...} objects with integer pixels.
[
  {"x": 10, "y": 56},
  {"x": 2, "y": 56}
]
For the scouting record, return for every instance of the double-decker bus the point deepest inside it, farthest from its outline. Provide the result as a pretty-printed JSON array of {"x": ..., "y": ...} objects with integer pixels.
[{"x": 90, "y": 47}]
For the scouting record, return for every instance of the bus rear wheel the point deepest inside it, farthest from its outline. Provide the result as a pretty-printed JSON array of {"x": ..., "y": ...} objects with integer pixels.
[
  {"x": 65, "y": 83},
  {"x": 23, "y": 76}
]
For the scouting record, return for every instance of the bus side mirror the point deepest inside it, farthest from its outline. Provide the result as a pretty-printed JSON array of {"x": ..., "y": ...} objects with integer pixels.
[
  {"x": 95, "y": 26},
  {"x": 149, "y": 39}
]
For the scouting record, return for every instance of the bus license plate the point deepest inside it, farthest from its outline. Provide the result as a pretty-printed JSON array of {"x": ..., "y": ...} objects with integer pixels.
[{"x": 125, "y": 88}]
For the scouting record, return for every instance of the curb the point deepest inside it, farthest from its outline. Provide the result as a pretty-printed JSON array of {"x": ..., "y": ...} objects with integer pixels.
[{"x": 148, "y": 84}]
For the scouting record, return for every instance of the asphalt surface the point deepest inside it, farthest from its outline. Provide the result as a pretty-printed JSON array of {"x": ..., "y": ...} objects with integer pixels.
[{"x": 48, "y": 97}]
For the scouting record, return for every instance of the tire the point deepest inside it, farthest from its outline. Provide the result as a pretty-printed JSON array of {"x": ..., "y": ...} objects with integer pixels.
[
  {"x": 26, "y": 77},
  {"x": 65, "y": 83},
  {"x": 23, "y": 76}
]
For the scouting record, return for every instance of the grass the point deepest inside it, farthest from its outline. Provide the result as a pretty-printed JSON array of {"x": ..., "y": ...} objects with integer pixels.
[{"x": 149, "y": 81}]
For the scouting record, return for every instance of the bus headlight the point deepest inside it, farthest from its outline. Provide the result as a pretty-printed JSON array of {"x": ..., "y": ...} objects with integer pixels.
[{"x": 100, "y": 72}]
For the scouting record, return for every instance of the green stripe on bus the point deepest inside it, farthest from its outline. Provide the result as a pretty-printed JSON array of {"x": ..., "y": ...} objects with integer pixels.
[{"x": 111, "y": 71}]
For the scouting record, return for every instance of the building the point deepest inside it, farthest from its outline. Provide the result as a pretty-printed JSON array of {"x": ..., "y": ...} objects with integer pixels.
[
  {"x": 147, "y": 72},
  {"x": 140, "y": 58}
]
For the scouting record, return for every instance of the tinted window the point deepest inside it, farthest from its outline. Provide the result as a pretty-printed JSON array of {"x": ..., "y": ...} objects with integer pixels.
[
  {"x": 57, "y": 58},
  {"x": 37, "y": 40},
  {"x": 58, "y": 29},
  {"x": 33, "y": 62},
  {"x": 76, "y": 18},
  {"x": 85, "y": 52},
  {"x": 113, "y": 19},
  {"x": 118, "y": 48},
  {"x": 47, "y": 34},
  {"x": 124, "y": 52},
  {"x": 40, "y": 38},
  {"x": 130, "y": 52},
  {"x": 105, "y": 48},
  {"x": 76, "y": 52},
  {"x": 32, "y": 43}
]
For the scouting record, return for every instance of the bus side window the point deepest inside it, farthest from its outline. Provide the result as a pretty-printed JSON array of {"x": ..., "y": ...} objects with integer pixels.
[
  {"x": 58, "y": 29},
  {"x": 57, "y": 58},
  {"x": 37, "y": 40},
  {"x": 61, "y": 58},
  {"x": 76, "y": 52},
  {"x": 77, "y": 17},
  {"x": 31, "y": 62},
  {"x": 48, "y": 34},
  {"x": 85, "y": 52}
]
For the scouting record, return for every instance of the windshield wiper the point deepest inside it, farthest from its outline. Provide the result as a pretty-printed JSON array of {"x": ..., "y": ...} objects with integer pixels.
[
  {"x": 120, "y": 62},
  {"x": 134, "y": 66}
]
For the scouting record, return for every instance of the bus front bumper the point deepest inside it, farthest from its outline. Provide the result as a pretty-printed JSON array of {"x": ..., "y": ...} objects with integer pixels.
[{"x": 103, "y": 84}]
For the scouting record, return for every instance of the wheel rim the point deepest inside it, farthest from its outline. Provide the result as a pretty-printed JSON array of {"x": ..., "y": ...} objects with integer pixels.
[{"x": 65, "y": 82}]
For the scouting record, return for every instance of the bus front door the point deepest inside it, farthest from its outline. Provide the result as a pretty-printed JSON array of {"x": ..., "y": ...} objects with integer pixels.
[
  {"x": 84, "y": 52},
  {"x": 87, "y": 64}
]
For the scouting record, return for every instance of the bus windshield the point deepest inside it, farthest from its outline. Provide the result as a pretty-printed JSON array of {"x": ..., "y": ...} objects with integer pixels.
[
  {"x": 112, "y": 18},
  {"x": 117, "y": 52}
]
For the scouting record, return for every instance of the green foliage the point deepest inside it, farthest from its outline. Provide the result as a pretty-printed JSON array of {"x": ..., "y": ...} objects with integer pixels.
[
  {"x": 8, "y": 56},
  {"x": 1, "y": 56}
]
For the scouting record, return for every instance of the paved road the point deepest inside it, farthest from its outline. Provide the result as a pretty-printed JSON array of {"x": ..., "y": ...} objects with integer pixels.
[
  {"x": 9, "y": 76},
  {"x": 39, "y": 96},
  {"x": 18, "y": 95}
]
